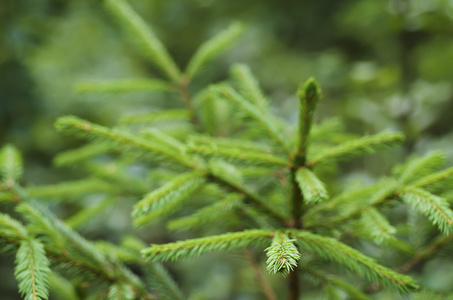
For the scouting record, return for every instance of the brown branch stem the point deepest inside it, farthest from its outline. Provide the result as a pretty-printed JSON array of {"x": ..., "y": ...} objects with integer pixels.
[{"x": 267, "y": 290}]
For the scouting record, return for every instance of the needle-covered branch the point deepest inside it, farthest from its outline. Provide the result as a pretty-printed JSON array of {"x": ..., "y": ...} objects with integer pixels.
[
  {"x": 213, "y": 47},
  {"x": 147, "y": 39},
  {"x": 435, "y": 208},
  {"x": 32, "y": 270},
  {"x": 123, "y": 86},
  {"x": 335, "y": 251},
  {"x": 264, "y": 120},
  {"x": 90, "y": 130},
  {"x": 249, "y": 87},
  {"x": 200, "y": 246},
  {"x": 312, "y": 188},
  {"x": 167, "y": 198},
  {"x": 282, "y": 255},
  {"x": 358, "y": 147},
  {"x": 10, "y": 164}
]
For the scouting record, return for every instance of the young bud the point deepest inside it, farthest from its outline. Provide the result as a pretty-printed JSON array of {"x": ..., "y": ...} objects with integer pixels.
[{"x": 309, "y": 94}]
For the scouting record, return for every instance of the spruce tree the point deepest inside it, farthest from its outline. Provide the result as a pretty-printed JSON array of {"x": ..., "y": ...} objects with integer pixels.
[{"x": 260, "y": 177}]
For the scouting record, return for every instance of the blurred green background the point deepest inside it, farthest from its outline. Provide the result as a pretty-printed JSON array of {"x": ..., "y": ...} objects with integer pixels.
[{"x": 382, "y": 65}]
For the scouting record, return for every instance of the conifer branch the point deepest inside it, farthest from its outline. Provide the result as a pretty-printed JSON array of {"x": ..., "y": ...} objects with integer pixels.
[
  {"x": 318, "y": 277},
  {"x": 196, "y": 247},
  {"x": 373, "y": 196},
  {"x": 358, "y": 147},
  {"x": 121, "y": 291},
  {"x": 62, "y": 288},
  {"x": 258, "y": 218},
  {"x": 438, "y": 180},
  {"x": 227, "y": 143},
  {"x": 159, "y": 116},
  {"x": 249, "y": 196},
  {"x": 352, "y": 200},
  {"x": 165, "y": 199},
  {"x": 10, "y": 165},
  {"x": 207, "y": 101},
  {"x": 160, "y": 278},
  {"x": 420, "y": 166},
  {"x": 67, "y": 242},
  {"x": 435, "y": 208},
  {"x": 282, "y": 255},
  {"x": 426, "y": 252},
  {"x": 83, "y": 216},
  {"x": 240, "y": 155},
  {"x": 81, "y": 154},
  {"x": 155, "y": 274},
  {"x": 376, "y": 225},
  {"x": 152, "y": 46},
  {"x": 333, "y": 250},
  {"x": 66, "y": 245},
  {"x": 211, "y": 48},
  {"x": 303, "y": 182},
  {"x": 325, "y": 129},
  {"x": 70, "y": 188},
  {"x": 32, "y": 270},
  {"x": 91, "y": 130},
  {"x": 312, "y": 188},
  {"x": 215, "y": 212},
  {"x": 263, "y": 119},
  {"x": 115, "y": 174},
  {"x": 249, "y": 87},
  {"x": 11, "y": 228},
  {"x": 163, "y": 139},
  {"x": 123, "y": 86}
]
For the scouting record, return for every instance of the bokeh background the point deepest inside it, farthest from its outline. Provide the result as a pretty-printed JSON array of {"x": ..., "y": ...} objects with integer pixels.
[{"x": 382, "y": 65}]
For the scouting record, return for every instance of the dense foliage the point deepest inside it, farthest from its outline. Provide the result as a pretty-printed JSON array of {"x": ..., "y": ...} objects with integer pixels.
[{"x": 206, "y": 168}]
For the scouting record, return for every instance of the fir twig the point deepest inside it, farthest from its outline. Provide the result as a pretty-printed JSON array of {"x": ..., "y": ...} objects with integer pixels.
[
  {"x": 282, "y": 255},
  {"x": 249, "y": 87},
  {"x": 152, "y": 46},
  {"x": 358, "y": 147},
  {"x": 434, "y": 207},
  {"x": 122, "y": 86},
  {"x": 91, "y": 130},
  {"x": 165, "y": 199},
  {"x": 263, "y": 119},
  {"x": 211, "y": 48},
  {"x": 32, "y": 270},
  {"x": 312, "y": 188},
  {"x": 333, "y": 250},
  {"x": 197, "y": 247}
]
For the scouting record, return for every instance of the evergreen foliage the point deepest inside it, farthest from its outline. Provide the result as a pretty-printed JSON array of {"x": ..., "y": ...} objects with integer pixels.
[
  {"x": 272, "y": 192},
  {"x": 282, "y": 255}
]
